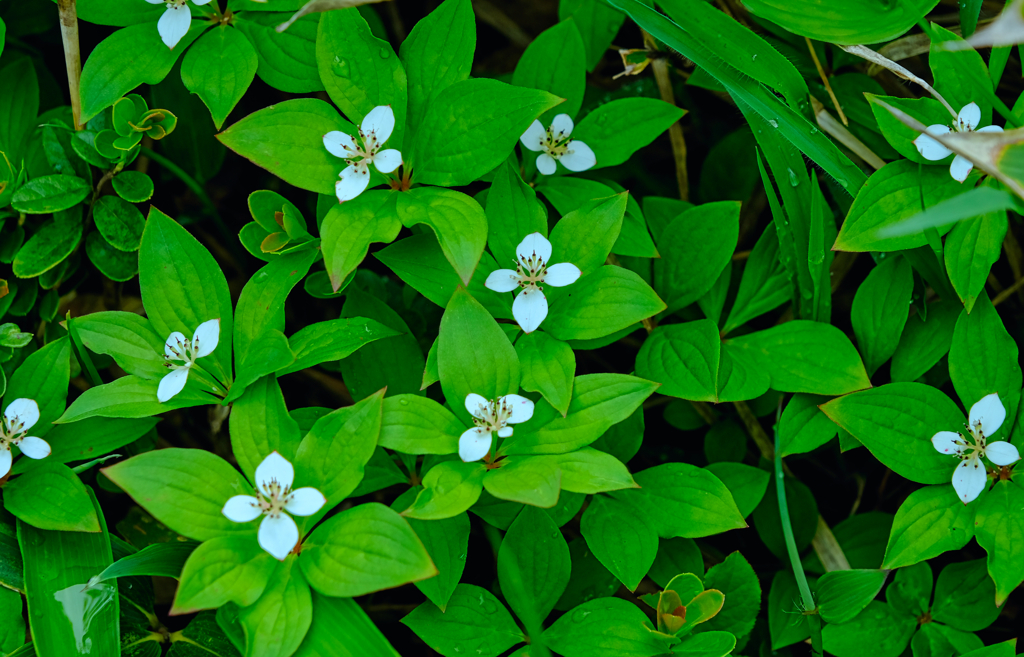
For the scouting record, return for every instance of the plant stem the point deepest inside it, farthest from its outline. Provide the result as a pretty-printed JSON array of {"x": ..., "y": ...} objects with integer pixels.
[
  {"x": 794, "y": 556},
  {"x": 72, "y": 56}
]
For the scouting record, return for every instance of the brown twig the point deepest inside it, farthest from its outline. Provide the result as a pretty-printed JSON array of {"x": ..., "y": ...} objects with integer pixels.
[
  {"x": 675, "y": 132},
  {"x": 72, "y": 56},
  {"x": 500, "y": 21},
  {"x": 824, "y": 81}
]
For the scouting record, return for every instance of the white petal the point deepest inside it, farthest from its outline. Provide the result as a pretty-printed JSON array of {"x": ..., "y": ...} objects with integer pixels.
[
  {"x": 546, "y": 164},
  {"x": 947, "y": 442},
  {"x": 380, "y": 121},
  {"x": 990, "y": 128},
  {"x": 274, "y": 468},
  {"x": 278, "y": 536},
  {"x": 502, "y": 280},
  {"x": 530, "y": 308},
  {"x": 562, "y": 274},
  {"x": 352, "y": 183},
  {"x": 206, "y": 337},
  {"x": 504, "y": 432},
  {"x": 969, "y": 479},
  {"x": 21, "y": 411},
  {"x": 929, "y": 148},
  {"x": 561, "y": 127},
  {"x": 242, "y": 508},
  {"x": 578, "y": 157},
  {"x": 174, "y": 24},
  {"x": 534, "y": 244},
  {"x": 474, "y": 402},
  {"x": 969, "y": 116},
  {"x": 522, "y": 408},
  {"x": 200, "y": 2},
  {"x": 339, "y": 144},
  {"x": 534, "y": 137},
  {"x": 474, "y": 444},
  {"x": 305, "y": 501},
  {"x": 960, "y": 168},
  {"x": 5, "y": 461},
  {"x": 388, "y": 160},
  {"x": 990, "y": 412},
  {"x": 171, "y": 384},
  {"x": 174, "y": 346},
  {"x": 155, "y": 2},
  {"x": 1002, "y": 453},
  {"x": 34, "y": 448}
]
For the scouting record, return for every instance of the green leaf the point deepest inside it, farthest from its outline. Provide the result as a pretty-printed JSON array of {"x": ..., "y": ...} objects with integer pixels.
[
  {"x": 286, "y": 139},
  {"x": 279, "y": 620},
  {"x": 765, "y": 284},
  {"x": 605, "y": 626},
  {"x": 158, "y": 559},
  {"x": 335, "y": 451},
  {"x": 684, "y": 358},
  {"x": 473, "y": 355},
  {"x": 586, "y": 235},
  {"x": 126, "y": 59},
  {"x": 120, "y": 222},
  {"x": 679, "y": 499},
  {"x": 446, "y": 542},
  {"x": 971, "y": 248},
  {"x": 925, "y": 342},
  {"x": 287, "y": 60},
  {"x": 896, "y": 423},
  {"x": 333, "y": 340},
  {"x": 47, "y": 194},
  {"x": 513, "y": 212},
  {"x": 706, "y": 234},
  {"x": 457, "y": 219},
  {"x": 119, "y": 266},
  {"x": 51, "y": 497},
  {"x": 889, "y": 631},
  {"x": 597, "y": 24},
  {"x": 555, "y": 62},
  {"x": 892, "y": 194},
  {"x": 622, "y": 540},
  {"x": 983, "y": 360},
  {"x": 19, "y": 106},
  {"x": 736, "y": 579},
  {"x": 349, "y": 228},
  {"x": 183, "y": 488},
  {"x": 474, "y": 623},
  {"x": 1004, "y": 649},
  {"x": 533, "y": 566},
  {"x": 396, "y": 362},
  {"x": 804, "y": 356},
  {"x": 133, "y": 186},
  {"x": 260, "y": 424},
  {"x": 785, "y": 622},
  {"x": 602, "y": 303},
  {"x": 88, "y": 439},
  {"x": 359, "y": 70},
  {"x": 470, "y": 127},
  {"x": 803, "y": 510},
  {"x": 803, "y": 428},
  {"x": 856, "y": 22},
  {"x": 416, "y": 425},
  {"x": 438, "y": 53},
  {"x": 449, "y": 488},
  {"x": 224, "y": 569},
  {"x": 43, "y": 377},
  {"x": 55, "y": 240},
  {"x": 590, "y": 471},
  {"x": 548, "y": 367},
  {"x": 953, "y": 71},
  {"x": 932, "y": 520},
  {"x": 183, "y": 286},
  {"x": 364, "y": 549},
  {"x": 131, "y": 397},
  {"x": 964, "y": 596},
  {"x": 880, "y": 310},
  {"x": 12, "y": 625},
  {"x": 533, "y": 480},
  {"x": 617, "y": 129},
  {"x": 342, "y": 629},
  {"x": 219, "y": 68},
  {"x": 842, "y": 594},
  {"x": 746, "y": 483},
  {"x": 999, "y": 529},
  {"x": 599, "y": 401}
]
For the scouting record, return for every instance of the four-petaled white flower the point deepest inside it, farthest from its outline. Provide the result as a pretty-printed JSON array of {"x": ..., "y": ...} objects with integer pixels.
[
  {"x": 490, "y": 417},
  {"x": 970, "y": 476},
  {"x": 176, "y": 20},
  {"x": 20, "y": 416},
  {"x": 531, "y": 307},
  {"x": 278, "y": 533},
  {"x": 556, "y": 145},
  {"x": 179, "y": 348},
  {"x": 966, "y": 121},
  {"x": 375, "y": 129}
]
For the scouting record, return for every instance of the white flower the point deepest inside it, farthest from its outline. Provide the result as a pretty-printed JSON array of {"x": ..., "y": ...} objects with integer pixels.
[
  {"x": 531, "y": 307},
  {"x": 176, "y": 20},
  {"x": 180, "y": 348},
  {"x": 490, "y": 417},
  {"x": 572, "y": 153},
  {"x": 966, "y": 121},
  {"x": 970, "y": 476},
  {"x": 375, "y": 129},
  {"x": 278, "y": 533},
  {"x": 20, "y": 416}
]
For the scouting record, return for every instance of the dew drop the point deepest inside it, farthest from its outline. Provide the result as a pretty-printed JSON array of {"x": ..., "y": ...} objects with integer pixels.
[
  {"x": 403, "y": 402},
  {"x": 384, "y": 53},
  {"x": 773, "y": 123},
  {"x": 793, "y": 180},
  {"x": 754, "y": 57},
  {"x": 339, "y": 67},
  {"x": 579, "y": 615}
]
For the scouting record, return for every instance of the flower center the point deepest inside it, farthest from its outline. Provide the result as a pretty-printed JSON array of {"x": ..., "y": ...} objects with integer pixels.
[
  {"x": 176, "y": 4},
  {"x": 493, "y": 416},
  {"x": 966, "y": 449},
  {"x": 273, "y": 497},
  {"x": 531, "y": 271},
  {"x": 11, "y": 432},
  {"x": 360, "y": 156},
  {"x": 960, "y": 126},
  {"x": 184, "y": 350},
  {"x": 556, "y": 144}
]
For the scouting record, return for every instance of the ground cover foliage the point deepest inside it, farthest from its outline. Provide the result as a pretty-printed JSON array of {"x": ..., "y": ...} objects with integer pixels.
[{"x": 554, "y": 327}]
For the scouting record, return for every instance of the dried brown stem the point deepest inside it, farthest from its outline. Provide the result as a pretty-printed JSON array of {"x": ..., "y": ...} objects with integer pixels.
[
  {"x": 675, "y": 131},
  {"x": 824, "y": 81},
  {"x": 72, "y": 56}
]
